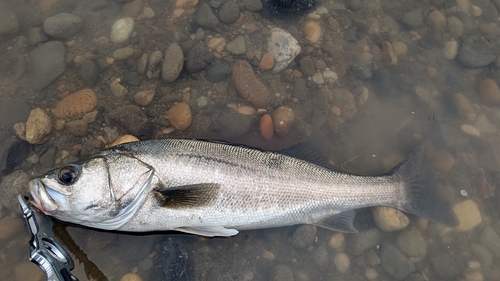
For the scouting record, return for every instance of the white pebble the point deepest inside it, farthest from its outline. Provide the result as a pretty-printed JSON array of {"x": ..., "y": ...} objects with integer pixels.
[
  {"x": 122, "y": 29},
  {"x": 470, "y": 130}
]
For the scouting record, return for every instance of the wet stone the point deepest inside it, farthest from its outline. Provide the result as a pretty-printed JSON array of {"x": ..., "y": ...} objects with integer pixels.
[
  {"x": 284, "y": 48},
  {"x": 395, "y": 262},
  {"x": 198, "y": 58},
  {"x": 77, "y": 128},
  {"x": 180, "y": 116},
  {"x": 89, "y": 73},
  {"x": 63, "y": 25},
  {"x": 122, "y": 29},
  {"x": 133, "y": 8},
  {"x": 38, "y": 126},
  {"x": 320, "y": 256},
  {"x": 237, "y": 46},
  {"x": 47, "y": 159},
  {"x": 248, "y": 86},
  {"x": 303, "y": 236},
  {"x": 307, "y": 66},
  {"x": 444, "y": 266},
  {"x": 229, "y": 12},
  {"x": 9, "y": 24},
  {"x": 468, "y": 215},
  {"x": 489, "y": 11},
  {"x": 413, "y": 19},
  {"x": 13, "y": 152},
  {"x": 144, "y": 98},
  {"x": 123, "y": 53},
  {"x": 490, "y": 240},
  {"x": 341, "y": 262},
  {"x": 389, "y": 219},
  {"x": 281, "y": 273},
  {"x": 477, "y": 51},
  {"x": 231, "y": 125},
  {"x": 48, "y": 62},
  {"x": 142, "y": 63},
  {"x": 362, "y": 241},
  {"x": 206, "y": 16},
  {"x": 253, "y": 5},
  {"x": 133, "y": 120},
  {"x": 76, "y": 104},
  {"x": 12, "y": 185},
  {"x": 131, "y": 78},
  {"x": 411, "y": 242},
  {"x": 36, "y": 36},
  {"x": 173, "y": 63},
  {"x": 154, "y": 61},
  {"x": 218, "y": 72},
  {"x": 91, "y": 146}
]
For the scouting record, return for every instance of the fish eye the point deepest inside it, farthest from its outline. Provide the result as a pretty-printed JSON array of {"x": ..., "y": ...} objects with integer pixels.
[{"x": 67, "y": 175}]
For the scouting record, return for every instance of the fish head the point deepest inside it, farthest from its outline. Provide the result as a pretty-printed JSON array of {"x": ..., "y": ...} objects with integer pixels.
[{"x": 100, "y": 192}]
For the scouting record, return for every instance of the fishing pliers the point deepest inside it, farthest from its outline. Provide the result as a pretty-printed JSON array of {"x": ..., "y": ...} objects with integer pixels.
[{"x": 45, "y": 251}]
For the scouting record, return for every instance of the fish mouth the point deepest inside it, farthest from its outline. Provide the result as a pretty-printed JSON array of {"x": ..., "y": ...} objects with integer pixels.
[{"x": 43, "y": 197}]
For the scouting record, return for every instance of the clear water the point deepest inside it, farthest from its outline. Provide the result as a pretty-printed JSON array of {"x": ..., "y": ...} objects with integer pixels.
[{"x": 410, "y": 100}]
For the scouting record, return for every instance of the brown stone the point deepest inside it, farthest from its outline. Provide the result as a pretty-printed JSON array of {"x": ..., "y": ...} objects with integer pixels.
[
  {"x": 77, "y": 128},
  {"x": 248, "y": 86},
  {"x": 267, "y": 61},
  {"x": 437, "y": 20},
  {"x": 266, "y": 127},
  {"x": 489, "y": 91},
  {"x": 76, "y": 104},
  {"x": 133, "y": 8},
  {"x": 283, "y": 118},
  {"x": 180, "y": 116}
]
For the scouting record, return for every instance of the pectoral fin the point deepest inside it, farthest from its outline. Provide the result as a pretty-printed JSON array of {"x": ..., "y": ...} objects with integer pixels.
[
  {"x": 208, "y": 231},
  {"x": 339, "y": 222},
  {"x": 187, "y": 196}
]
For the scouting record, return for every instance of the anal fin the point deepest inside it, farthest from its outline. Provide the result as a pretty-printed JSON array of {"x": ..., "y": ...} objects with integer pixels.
[
  {"x": 208, "y": 231},
  {"x": 341, "y": 222}
]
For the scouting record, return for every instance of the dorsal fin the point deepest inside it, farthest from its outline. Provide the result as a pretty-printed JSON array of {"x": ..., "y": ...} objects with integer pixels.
[{"x": 307, "y": 152}]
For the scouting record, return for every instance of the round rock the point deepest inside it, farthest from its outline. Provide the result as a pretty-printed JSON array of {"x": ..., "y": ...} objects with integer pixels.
[
  {"x": 76, "y": 104},
  {"x": 77, "y": 128},
  {"x": 122, "y": 29},
  {"x": 228, "y": 12},
  {"x": 172, "y": 65},
  {"x": 248, "y": 86},
  {"x": 218, "y": 72},
  {"x": 38, "y": 126},
  {"x": 133, "y": 120},
  {"x": 62, "y": 26},
  {"x": 477, "y": 51},
  {"x": 123, "y": 53},
  {"x": 389, "y": 219},
  {"x": 48, "y": 62},
  {"x": 303, "y": 236},
  {"x": 206, "y": 16},
  {"x": 395, "y": 263},
  {"x": 489, "y": 91},
  {"x": 144, "y": 98},
  {"x": 180, "y": 116},
  {"x": 231, "y": 125},
  {"x": 198, "y": 58},
  {"x": 284, "y": 48},
  {"x": 411, "y": 242},
  {"x": 283, "y": 118}
]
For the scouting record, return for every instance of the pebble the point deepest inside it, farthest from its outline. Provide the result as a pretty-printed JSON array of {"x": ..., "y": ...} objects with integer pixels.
[
  {"x": 142, "y": 63},
  {"x": 483, "y": 255},
  {"x": 312, "y": 31},
  {"x": 48, "y": 62},
  {"x": 489, "y": 91},
  {"x": 89, "y": 73},
  {"x": 172, "y": 64},
  {"x": 28, "y": 271},
  {"x": 477, "y": 51},
  {"x": 474, "y": 276},
  {"x": 133, "y": 8},
  {"x": 266, "y": 127},
  {"x": 431, "y": 71},
  {"x": 206, "y": 16},
  {"x": 388, "y": 55},
  {"x": 284, "y": 48},
  {"x": 144, "y": 98},
  {"x": 131, "y": 277},
  {"x": 342, "y": 262},
  {"x": 400, "y": 49},
  {"x": 456, "y": 27},
  {"x": 253, "y": 5},
  {"x": 215, "y": 43},
  {"x": 246, "y": 110},
  {"x": 124, "y": 139},
  {"x": 337, "y": 242},
  {"x": 389, "y": 219},
  {"x": 148, "y": 13},
  {"x": 371, "y": 258},
  {"x": 411, "y": 243},
  {"x": 395, "y": 262},
  {"x": 232, "y": 125},
  {"x": 198, "y": 58},
  {"x": 268, "y": 255},
  {"x": 37, "y": 36},
  {"x": 91, "y": 146},
  {"x": 154, "y": 60},
  {"x": 413, "y": 19},
  {"x": 121, "y": 30},
  {"x": 218, "y": 72},
  {"x": 437, "y": 20},
  {"x": 38, "y": 126},
  {"x": 450, "y": 50},
  {"x": 362, "y": 241},
  {"x": 9, "y": 24},
  {"x": 248, "y": 86},
  {"x": 77, "y": 128},
  {"x": 76, "y": 104},
  {"x": 186, "y": 4},
  {"x": 202, "y": 101},
  {"x": 490, "y": 240},
  {"x": 303, "y": 236},
  {"x": 228, "y": 12},
  {"x": 470, "y": 130},
  {"x": 445, "y": 266},
  {"x": 307, "y": 66},
  {"x": 62, "y": 26},
  {"x": 10, "y": 226},
  {"x": 133, "y": 120},
  {"x": 180, "y": 116},
  {"x": 283, "y": 118},
  {"x": 371, "y": 274},
  {"x": 267, "y": 61},
  {"x": 468, "y": 215},
  {"x": 281, "y": 273},
  {"x": 443, "y": 161},
  {"x": 237, "y": 46},
  {"x": 13, "y": 152},
  {"x": 11, "y": 186},
  {"x": 117, "y": 89},
  {"x": 123, "y": 53}
]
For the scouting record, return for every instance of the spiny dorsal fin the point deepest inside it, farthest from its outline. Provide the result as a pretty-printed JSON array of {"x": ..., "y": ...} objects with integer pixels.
[
  {"x": 187, "y": 196},
  {"x": 339, "y": 222}
]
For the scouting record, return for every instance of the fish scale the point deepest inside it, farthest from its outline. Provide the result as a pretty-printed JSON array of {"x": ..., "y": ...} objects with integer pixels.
[{"x": 215, "y": 189}]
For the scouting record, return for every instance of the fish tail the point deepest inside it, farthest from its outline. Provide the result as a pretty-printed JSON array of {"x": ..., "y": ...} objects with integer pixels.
[{"x": 422, "y": 198}]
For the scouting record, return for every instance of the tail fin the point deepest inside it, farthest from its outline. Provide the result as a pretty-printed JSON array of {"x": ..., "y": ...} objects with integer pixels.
[{"x": 422, "y": 198}]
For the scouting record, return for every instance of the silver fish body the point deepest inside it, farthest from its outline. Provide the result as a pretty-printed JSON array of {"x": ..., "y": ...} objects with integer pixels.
[{"x": 216, "y": 189}]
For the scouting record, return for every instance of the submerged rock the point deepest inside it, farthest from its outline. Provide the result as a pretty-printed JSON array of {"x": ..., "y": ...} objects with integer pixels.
[
  {"x": 47, "y": 63},
  {"x": 283, "y": 47}
]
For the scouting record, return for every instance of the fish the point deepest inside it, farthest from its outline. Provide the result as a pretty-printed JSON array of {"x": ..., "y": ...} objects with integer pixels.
[{"x": 214, "y": 188}]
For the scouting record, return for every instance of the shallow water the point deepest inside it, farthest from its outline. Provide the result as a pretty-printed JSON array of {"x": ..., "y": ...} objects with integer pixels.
[{"x": 378, "y": 79}]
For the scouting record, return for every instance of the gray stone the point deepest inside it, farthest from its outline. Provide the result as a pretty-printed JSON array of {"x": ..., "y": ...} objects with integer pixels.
[
  {"x": 133, "y": 120},
  {"x": 482, "y": 254},
  {"x": 13, "y": 152},
  {"x": 172, "y": 65},
  {"x": 228, "y": 12},
  {"x": 490, "y": 12},
  {"x": 237, "y": 46},
  {"x": 307, "y": 66},
  {"x": 303, "y": 236},
  {"x": 218, "y": 72},
  {"x": 413, "y": 19},
  {"x": 37, "y": 36},
  {"x": 445, "y": 266},
  {"x": 142, "y": 63},
  {"x": 299, "y": 88},
  {"x": 371, "y": 258},
  {"x": 198, "y": 58},
  {"x": 284, "y": 48},
  {"x": 131, "y": 78},
  {"x": 231, "y": 125},
  {"x": 145, "y": 265},
  {"x": 155, "y": 59},
  {"x": 206, "y": 16},
  {"x": 122, "y": 29},
  {"x": 89, "y": 73},
  {"x": 320, "y": 256},
  {"x": 47, "y": 63},
  {"x": 62, "y": 26},
  {"x": 77, "y": 128},
  {"x": 13, "y": 111},
  {"x": 253, "y": 5},
  {"x": 281, "y": 273},
  {"x": 362, "y": 241},
  {"x": 12, "y": 185},
  {"x": 490, "y": 240},
  {"x": 9, "y": 24},
  {"x": 395, "y": 263},
  {"x": 123, "y": 53},
  {"x": 360, "y": 70},
  {"x": 477, "y": 51},
  {"x": 411, "y": 242}
]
